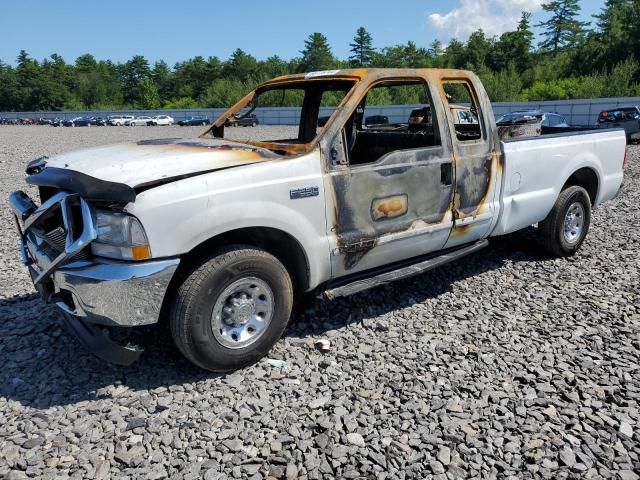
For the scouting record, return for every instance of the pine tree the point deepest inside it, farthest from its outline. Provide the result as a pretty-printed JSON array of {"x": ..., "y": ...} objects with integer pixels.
[
  {"x": 614, "y": 33},
  {"x": 317, "y": 53},
  {"x": 563, "y": 29},
  {"x": 436, "y": 49},
  {"x": 633, "y": 20},
  {"x": 361, "y": 48},
  {"x": 611, "y": 16},
  {"x": 514, "y": 48}
]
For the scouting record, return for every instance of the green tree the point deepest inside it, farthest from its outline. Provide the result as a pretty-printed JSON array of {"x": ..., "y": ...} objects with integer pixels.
[
  {"x": 361, "y": 48},
  {"x": 241, "y": 66},
  {"x": 147, "y": 94},
  {"x": 514, "y": 48},
  {"x": 504, "y": 85},
  {"x": 9, "y": 88},
  {"x": 633, "y": 25},
  {"x": 455, "y": 55},
  {"x": 562, "y": 29},
  {"x": 132, "y": 72},
  {"x": 479, "y": 50},
  {"x": 161, "y": 76},
  {"x": 316, "y": 54},
  {"x": 223, "y": 93},
  {"x": 403, "y": 56},
  {"x": 273, "y": 66}
]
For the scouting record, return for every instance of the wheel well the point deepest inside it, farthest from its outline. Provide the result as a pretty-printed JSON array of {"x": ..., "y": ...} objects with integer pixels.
[
  {"x": 278, "y": 243},
  {"x": 586, "y": 178}
]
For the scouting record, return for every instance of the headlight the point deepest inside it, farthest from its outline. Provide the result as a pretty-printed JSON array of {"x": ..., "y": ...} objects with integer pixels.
[{"x": 120, "y": 236}]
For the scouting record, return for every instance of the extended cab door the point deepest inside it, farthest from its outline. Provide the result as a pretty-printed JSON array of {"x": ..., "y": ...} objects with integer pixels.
[
  {"x": 392, "y": 182},
  {"x": 476, "y": 161}
]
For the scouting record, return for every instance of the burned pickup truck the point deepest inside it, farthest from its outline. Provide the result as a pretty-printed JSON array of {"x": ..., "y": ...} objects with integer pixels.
[{"x": 218, "y": 236}]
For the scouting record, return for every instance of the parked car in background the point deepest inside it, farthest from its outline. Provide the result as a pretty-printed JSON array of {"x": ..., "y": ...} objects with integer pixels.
[
  {"x": 463, "y": 115},
  {"x": 627, "y": 118},
  {"x": 554, "y": 120},
  {"x": 531, "y": 123},
  {"x": 376, "y": 120},
  {"x": 162, "y": 120},
  {"x": 101, "y": 121},
  {"x": 141, "y": 120},
  {"x": 118, "y": 120},
  {"x": 545, "y": 119},
  {"x": 78, "y": 122},
  {"x": 109, "y": 118},
  {"x": 242, "y": 121},
  {"x": 194, "y": 121}
]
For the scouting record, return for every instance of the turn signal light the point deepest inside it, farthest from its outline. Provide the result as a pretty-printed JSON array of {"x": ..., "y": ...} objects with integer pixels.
[{"x": 140, "y": 252}]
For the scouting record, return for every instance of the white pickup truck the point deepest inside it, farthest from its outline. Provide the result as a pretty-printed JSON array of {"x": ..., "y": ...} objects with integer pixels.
[{"x": 218, "y": 236}]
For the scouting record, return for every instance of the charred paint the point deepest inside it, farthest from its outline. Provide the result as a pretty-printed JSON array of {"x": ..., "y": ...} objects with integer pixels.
[
  {"x": 202, "y": 144},
  {"x": 429, "y": 200},
  {"x": 353, "y": 252},
  {"x": 473, "y": 170}
]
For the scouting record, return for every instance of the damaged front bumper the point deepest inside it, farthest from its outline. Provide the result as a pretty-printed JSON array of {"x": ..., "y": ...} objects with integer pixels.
[{"x": 92, "y": 292}]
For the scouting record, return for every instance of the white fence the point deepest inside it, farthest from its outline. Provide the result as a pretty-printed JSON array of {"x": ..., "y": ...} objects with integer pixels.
[{"x": 577, "y": 112}]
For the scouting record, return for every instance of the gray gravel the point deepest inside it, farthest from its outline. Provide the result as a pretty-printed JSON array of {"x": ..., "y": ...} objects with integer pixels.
[{"x": 509, "y": 364}]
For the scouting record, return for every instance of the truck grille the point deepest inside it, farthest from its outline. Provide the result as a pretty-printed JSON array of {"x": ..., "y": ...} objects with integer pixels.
[{"x": 55, "y": 239}]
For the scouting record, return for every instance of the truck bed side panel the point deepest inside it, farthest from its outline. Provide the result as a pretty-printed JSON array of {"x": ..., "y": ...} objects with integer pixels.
[{"x": 536, "y": 169}]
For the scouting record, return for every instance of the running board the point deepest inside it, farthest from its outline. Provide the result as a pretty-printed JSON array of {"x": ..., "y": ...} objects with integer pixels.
[{"x": 403, "y": 272}]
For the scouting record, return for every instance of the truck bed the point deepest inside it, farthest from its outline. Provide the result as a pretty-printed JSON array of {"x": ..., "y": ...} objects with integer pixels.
[{"x": 535, "y": 170}]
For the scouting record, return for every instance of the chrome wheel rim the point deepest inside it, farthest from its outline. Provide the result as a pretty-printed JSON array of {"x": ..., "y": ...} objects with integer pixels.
[
  {"x": 242, "y": 312},
  {"x": 574, "y": 222}
]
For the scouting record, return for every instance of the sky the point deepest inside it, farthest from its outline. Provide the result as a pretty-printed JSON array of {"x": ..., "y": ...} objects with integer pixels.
[{"x": 175, "y": 30}]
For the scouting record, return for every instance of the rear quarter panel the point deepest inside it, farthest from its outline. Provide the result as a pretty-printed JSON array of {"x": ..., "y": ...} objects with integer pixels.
[{"x": 535, "y": 170}]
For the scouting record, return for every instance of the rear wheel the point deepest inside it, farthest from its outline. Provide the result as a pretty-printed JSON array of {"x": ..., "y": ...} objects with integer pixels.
[
  {"x": 566, "y": 226},
  {"x": 231, "y": 308}
]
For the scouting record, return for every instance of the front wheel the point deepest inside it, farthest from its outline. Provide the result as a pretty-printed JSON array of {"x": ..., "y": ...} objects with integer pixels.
[
  {"x": 566, "y": 226},
  {"x": 231, "y": 308}
]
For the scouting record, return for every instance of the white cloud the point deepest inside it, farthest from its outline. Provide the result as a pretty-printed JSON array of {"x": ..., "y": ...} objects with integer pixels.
[{"x": 492, "y": 16}]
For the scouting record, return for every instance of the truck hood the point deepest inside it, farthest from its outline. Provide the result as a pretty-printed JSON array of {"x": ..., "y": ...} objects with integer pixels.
[{"x": 148, "y": 163}]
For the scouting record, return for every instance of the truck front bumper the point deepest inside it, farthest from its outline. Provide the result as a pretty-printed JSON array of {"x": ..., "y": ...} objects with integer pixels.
[
  {"x": 110, "y": 293},
  {"x": 97, "y": 290},
  {"x": 91, "y": 291}
]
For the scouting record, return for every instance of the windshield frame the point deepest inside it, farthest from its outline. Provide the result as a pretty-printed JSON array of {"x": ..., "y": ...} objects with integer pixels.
[{"x": 217, "y": 128}]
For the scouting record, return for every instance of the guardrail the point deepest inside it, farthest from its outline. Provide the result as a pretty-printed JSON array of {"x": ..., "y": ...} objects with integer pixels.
[{"x": 577, "y": 112}]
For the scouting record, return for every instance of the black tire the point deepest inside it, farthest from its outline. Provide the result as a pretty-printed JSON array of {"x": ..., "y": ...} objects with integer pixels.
[
  {"x": 192, "y": 309},
  {"x": 551, "y": 230}
]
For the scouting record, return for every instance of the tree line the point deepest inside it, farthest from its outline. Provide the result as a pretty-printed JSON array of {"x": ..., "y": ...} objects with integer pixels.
[{"x": 574, "y": 59}]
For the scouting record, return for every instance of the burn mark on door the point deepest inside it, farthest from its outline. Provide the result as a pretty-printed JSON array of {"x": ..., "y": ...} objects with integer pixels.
[{"x": 389, "y": 207}]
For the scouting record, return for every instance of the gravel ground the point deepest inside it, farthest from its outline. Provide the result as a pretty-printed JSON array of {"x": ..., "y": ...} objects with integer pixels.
[{"x": 508, "y": 364}]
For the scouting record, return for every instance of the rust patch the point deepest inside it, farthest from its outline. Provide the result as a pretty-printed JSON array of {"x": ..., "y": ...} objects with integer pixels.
[
  {"x": 389, "y": 207},
  {"x": 460, "y": 230},
  {"x": 237, "y": 153}
]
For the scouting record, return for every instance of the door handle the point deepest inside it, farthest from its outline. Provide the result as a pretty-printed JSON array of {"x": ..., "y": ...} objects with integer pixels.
[{"x": 446, "y": 173}]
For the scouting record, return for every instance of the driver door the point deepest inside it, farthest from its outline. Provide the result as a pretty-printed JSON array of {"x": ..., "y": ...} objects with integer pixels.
[{"x": 393, "y": 182}]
